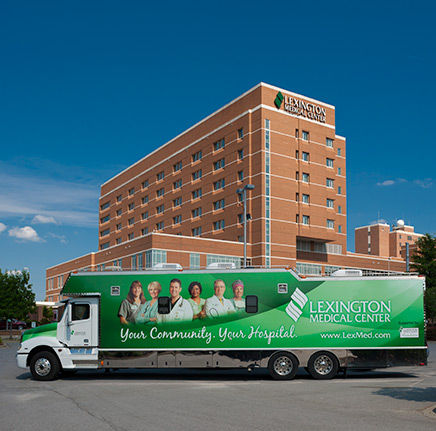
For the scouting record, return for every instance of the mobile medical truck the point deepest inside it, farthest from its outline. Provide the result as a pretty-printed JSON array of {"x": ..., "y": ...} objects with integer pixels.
[{"x": 324, "y": 324}]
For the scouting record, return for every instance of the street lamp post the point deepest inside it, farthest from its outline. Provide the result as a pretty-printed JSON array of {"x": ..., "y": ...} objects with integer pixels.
[{"x": 243, "y": 192}]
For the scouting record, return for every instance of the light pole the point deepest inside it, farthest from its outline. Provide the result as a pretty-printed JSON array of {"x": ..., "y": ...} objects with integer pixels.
[{"x": 243, "y": 192}]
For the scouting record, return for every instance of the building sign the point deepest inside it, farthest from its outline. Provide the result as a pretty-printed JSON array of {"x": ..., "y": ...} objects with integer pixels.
[{"x": 300, "y": 107}]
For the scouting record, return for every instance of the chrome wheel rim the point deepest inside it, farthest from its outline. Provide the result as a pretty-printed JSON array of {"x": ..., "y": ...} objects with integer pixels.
[
  {"x": 283, "y": 366},
  {"x": 323, "y": 365},
  {"x": 42, "y": 367}
]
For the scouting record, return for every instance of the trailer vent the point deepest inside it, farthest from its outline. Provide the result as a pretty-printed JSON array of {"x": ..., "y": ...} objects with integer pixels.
[
  {"x": 282, "y": 288},
  {"x": 115, "y": 290}
]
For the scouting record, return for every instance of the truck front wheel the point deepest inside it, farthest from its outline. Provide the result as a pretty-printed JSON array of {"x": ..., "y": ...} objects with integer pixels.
[{"x": 44, "y": 366}]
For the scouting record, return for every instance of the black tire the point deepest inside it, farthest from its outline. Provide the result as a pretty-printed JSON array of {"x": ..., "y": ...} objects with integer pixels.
[
  {"x": 20, "y": 327},
  {"x": 44, "y": 366},
  {"x": 283, "y": 366},
  {"x": 323, "y": 365}
]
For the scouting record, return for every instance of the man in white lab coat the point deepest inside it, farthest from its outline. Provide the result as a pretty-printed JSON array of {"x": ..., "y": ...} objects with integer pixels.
[
  {"x": 217, "y": 305},
  {"x": 180, "y": 309}
]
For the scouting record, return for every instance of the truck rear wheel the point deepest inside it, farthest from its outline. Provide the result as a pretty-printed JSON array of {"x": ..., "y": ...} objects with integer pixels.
[
  {"x": 323, "y": 365},
  {"x": 44, "y": 366},
  {"x": 283, "y": 366}
]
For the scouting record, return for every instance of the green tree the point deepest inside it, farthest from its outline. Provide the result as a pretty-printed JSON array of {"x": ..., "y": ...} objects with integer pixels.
[
  {"x": 424, "y": 262},
  {"x": 16, "y": 297},
  {"x": 47, "y": 315}
]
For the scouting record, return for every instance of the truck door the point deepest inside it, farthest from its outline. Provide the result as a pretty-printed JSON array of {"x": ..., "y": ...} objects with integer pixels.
[{"x": 79, "y": 327}]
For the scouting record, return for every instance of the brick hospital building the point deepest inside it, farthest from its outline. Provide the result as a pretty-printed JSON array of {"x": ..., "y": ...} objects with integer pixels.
[{"x": 181, "y": 204}]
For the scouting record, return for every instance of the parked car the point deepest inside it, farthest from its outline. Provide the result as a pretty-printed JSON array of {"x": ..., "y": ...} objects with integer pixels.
[{"x": 16, "y": 324}]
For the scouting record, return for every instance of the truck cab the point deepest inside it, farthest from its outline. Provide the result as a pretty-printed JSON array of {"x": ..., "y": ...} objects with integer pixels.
[{"x": 68, "y": 345}]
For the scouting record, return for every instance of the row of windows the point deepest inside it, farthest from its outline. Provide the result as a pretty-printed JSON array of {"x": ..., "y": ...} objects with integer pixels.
[
  {"x": 305, "y": 220},
  {"x": 217, "y": 205},
  {"x": 176, "y": 186},
  {"x": 176, "y": 202},
  {"x": 178, "y": 167},
  {"x": 305, "y": 137},
  {"x": 220, "y": 164},
  {"x": 154, "y": 256},
  {"x": 306, "y": 200},
  {"x": 318, "y": 247},
  {"x": 305, "y": 178},
  {"x": 305, "y": 156},
  {"x": 216, "y": 225}
]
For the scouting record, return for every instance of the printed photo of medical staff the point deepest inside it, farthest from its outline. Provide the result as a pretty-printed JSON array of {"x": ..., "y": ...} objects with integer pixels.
[
  {"x": 217, "y": 305},
  {"x": 148, "y": 312},
  {"x": 180, "y": 309},
  {"x": 136, "y": 309},
  {"x": 131, "y": 306}
]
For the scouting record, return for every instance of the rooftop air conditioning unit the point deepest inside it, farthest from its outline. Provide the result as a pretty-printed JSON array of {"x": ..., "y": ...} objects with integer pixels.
[
  {"x": 166, "y": 267},
  {"x": 221, "y": 265},
  {"x": 347, "y": 273},
  {"x": 112, "y": 268}
]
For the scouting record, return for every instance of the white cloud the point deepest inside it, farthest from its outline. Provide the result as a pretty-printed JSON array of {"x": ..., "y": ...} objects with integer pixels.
[
  {"x": 42, "y": 219},
  {"x": 24, "y": 193},
  {"x": 386, "y": 183},
  {"x": 380, "y": 220},
  {"x": 61, "y": 238},
  {"x": 25, "y": 233},
  {"x": 425, "y": 183},
  {"x": 2, "y": 227}
]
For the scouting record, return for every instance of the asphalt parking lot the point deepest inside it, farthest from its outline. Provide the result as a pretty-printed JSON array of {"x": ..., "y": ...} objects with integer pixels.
[{"x": 393, "y": 399}]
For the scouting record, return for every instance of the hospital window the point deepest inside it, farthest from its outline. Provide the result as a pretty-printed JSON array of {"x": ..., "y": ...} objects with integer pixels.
[
  {"x": 196, "y": 175},
  {"x": 197, "y": 156},
  {"x": 218, "y": 144},
  {"x": 194, "y": 261}
]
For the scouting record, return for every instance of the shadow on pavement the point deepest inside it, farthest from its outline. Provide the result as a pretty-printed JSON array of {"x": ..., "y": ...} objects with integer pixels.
[
  {"x": 409, "y": 394},
  {"x": 220, "y": 375}
]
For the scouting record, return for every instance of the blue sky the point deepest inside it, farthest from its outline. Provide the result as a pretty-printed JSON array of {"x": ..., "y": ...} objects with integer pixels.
[{"x": 88, "y": 88}]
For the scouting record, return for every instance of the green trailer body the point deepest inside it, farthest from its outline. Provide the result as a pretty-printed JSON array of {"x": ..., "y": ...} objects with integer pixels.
[
  {"x": 362, "y": 322},
  {"x": 292, "y": 312}
]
